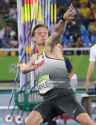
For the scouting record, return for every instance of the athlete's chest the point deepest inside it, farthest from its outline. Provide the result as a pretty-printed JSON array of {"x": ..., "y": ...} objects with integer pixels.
[{"x": 52, "y": 66}]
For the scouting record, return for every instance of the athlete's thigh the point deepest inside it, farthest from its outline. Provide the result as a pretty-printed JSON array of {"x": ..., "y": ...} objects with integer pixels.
[
  {"x": 47, "y": 110},
  {"x": 69, "y": 104}
]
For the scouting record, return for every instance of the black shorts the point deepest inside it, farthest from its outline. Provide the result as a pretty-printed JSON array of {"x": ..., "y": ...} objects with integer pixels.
[{"x": 58, "y": 101}]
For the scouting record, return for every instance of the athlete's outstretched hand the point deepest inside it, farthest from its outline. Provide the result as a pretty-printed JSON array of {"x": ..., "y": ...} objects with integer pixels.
[
  {"x": 22, "y": 67},
  {"x": 70, "y": 13}
]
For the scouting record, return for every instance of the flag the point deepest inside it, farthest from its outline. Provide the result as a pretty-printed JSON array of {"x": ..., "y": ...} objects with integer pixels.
[{"x": 30, "y": 13}]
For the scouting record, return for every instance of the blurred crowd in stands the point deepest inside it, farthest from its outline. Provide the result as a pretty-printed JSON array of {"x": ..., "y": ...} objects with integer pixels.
[
  {"x": 8, "y": 24},
  {"x": 79, "y": 33},
  {"x": 82, "y": 31}
]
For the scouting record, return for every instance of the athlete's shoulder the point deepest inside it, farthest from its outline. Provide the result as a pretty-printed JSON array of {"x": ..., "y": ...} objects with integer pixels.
[{"x": 93, "y": 47}]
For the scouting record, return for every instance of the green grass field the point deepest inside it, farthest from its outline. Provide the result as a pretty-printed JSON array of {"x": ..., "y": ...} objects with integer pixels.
[
  {"x": 8, "y": 72},
  {"x": 7, "y": 68},
  {"x": 80, "y": 65}
]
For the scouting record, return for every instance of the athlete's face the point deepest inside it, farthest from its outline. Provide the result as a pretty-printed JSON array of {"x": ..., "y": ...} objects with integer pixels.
[{"x": 41, "y": 35}]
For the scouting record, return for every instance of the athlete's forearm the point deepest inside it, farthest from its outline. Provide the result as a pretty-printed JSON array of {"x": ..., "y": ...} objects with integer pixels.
[
  {"x": 25, "y": 68},
  {"x": 55, "y": 35},
  {"x": 66, "y": 17},
  {"x": 89, "y": 75},
  {"x": 60, "y": 27}
]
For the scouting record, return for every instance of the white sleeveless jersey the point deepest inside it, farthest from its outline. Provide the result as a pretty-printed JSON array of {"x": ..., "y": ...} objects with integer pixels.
[{"x": 52, "y": 73}]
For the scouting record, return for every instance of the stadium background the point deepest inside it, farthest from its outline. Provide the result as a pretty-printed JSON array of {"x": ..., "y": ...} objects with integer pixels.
[
  {"x": 8, "y": 16},
  {"x": 77, "y": 53},
  {"x": 8, "y": 60}
]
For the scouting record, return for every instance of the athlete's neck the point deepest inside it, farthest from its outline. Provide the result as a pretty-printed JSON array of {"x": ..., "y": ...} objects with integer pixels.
[{"x": 40, "y": 47}]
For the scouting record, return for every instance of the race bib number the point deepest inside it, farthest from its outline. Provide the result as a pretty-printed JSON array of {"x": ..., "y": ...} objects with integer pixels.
[{"x": 43, "y": 84}]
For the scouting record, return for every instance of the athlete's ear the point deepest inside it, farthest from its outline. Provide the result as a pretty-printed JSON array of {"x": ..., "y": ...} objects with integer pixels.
[
  {"x": 49, "y": 33},
  {"x": 33, "y": 39}
]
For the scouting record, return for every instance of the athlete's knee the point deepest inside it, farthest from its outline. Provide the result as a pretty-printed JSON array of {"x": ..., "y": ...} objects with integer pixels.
[
  {"x": 84, "y": 119},
  {"x": 34, "y": 118}
]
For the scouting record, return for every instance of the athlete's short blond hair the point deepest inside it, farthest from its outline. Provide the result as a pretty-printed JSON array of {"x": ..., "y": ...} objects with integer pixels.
[{"x": 38, "y": 26}]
